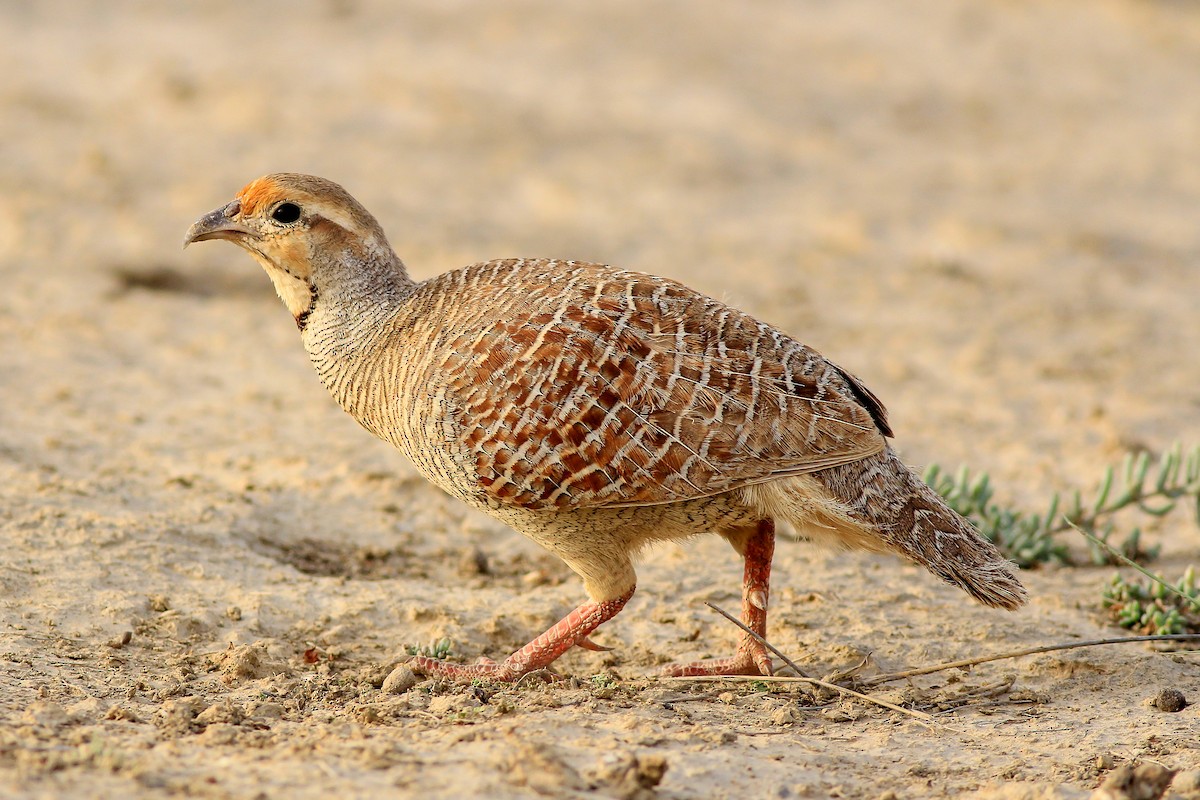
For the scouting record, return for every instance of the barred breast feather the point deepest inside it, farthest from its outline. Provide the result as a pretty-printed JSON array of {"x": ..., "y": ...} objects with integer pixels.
[{"x": 598, "y": 387}]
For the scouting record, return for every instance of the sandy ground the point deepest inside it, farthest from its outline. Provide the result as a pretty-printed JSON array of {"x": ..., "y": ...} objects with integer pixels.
[{"x": 988, "y": 210}]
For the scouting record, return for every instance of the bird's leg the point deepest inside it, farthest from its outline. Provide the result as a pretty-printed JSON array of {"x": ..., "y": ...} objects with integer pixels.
[
  {"x": 752, "y": 657},
  {"x": 571, "y": 630}
]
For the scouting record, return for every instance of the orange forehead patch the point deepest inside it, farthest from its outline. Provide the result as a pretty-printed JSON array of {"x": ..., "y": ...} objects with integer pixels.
[{"x": 258, "y": 193}]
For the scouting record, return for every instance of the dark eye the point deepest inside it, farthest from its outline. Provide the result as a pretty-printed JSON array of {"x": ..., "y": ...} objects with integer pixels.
[{"x": 286, "y": 213}]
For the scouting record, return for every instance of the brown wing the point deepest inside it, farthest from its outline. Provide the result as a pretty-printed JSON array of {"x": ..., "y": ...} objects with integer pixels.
[{"x": 631, "y": 390}]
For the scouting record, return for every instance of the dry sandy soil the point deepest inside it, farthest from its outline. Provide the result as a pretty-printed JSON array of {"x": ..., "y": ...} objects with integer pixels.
[{"x": 988, "y": 210}]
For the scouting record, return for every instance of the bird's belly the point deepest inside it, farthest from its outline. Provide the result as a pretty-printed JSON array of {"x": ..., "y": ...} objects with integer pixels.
[{"x": 627, "y": 528}]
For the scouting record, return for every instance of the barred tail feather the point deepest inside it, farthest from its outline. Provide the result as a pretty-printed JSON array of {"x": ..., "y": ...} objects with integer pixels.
[
  {"x": 951, "y": 548},
  {"x": 880, "y": 504}
]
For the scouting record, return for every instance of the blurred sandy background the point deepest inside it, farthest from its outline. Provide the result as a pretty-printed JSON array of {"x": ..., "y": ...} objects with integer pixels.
[{"x": 990, "y": 211}]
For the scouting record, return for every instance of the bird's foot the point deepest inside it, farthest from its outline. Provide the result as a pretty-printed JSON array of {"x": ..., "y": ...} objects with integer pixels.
[
  {"x": 751, "y": 659},
  {"x": 571, "y": 631}
]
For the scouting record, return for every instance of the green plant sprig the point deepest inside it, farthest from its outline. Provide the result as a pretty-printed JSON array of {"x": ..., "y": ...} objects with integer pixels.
[
  {"x": 1155, "y": 607},
  {"x": 439, "y": 649},
  {"x": 1029, "y": 538}
]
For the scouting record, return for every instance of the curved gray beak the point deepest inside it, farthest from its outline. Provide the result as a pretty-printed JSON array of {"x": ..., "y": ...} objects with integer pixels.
[{"x": 219, "y": 224}]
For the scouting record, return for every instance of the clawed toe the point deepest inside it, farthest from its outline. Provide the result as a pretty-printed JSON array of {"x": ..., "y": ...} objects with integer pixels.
[{"x": 588, "y": 644}]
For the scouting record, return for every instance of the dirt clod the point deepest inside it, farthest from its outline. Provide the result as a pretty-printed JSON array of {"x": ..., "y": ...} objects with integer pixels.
[
  {"x": 245, "y": 661},
  {"x": 1186, "y": 785},
  {"x": 630, "y": 776},
  {"x": 1135, "y": 782},
  {"x": 222, "y": 712},
  {"x": 542, "y": 769},
  {"x": 1170, "y": 700}
]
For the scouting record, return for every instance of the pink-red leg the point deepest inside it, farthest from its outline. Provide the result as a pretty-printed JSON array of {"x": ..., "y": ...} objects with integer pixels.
[
  {"x": 571, "y": 630},
  {"x": 752, "y": 657}
]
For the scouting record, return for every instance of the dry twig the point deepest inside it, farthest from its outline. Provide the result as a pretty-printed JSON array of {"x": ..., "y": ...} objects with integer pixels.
[
  {"x": 918, "y": 715},
  {"x": 1050, "y": 648}
]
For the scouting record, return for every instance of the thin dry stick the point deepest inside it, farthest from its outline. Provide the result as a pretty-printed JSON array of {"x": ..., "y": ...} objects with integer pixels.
[
  {"x": 919, "y": 715},
  {"x": 969, "y": 662},
  {"x": 740, "y": 678},
  {"x": 760, "y": 639}
]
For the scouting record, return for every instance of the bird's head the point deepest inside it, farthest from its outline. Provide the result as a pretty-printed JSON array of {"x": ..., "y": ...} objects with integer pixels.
[{"x": 305, "y": 231}]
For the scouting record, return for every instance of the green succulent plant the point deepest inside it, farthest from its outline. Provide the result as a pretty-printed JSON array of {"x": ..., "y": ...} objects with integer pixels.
[
  {"x": 1154, "y": 606},
  {"x": 437, "y": 648}
]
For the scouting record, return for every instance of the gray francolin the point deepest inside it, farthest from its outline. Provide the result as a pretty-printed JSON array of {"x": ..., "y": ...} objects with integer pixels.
[{"x": 597, "y": 411}]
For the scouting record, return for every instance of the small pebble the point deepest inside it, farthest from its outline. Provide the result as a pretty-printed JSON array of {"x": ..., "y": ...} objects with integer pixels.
[
  {"x": 120, "y": 641},
  {"x": 399, "y": 680},
  {"x": 1170, "y": 700}
]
